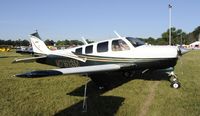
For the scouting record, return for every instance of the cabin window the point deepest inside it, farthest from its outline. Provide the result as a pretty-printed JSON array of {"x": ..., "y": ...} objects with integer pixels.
[
  {"x": 119, "y": 45},
  {"x": 89, "y": 49},
  {"x": 196, "y": 46},
  {"x": 78, "y": 50},
  {"x": 102, "y": 47}
]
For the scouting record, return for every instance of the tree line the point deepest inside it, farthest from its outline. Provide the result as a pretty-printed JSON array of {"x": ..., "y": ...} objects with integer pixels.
[
  {"x": 48, "y": 42},
  {"x": 178, "y": 37},
  {"x": 15, "y": 42}
]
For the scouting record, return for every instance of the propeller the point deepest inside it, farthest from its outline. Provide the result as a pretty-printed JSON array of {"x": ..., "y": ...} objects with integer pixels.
[{"x": 182, "y": 51}]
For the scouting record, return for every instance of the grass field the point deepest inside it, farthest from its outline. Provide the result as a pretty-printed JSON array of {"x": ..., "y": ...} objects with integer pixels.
[{"x": 63, "y": 95}]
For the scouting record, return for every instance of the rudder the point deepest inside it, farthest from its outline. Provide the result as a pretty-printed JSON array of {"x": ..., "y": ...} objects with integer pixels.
[{"x": 38, "y": 45}]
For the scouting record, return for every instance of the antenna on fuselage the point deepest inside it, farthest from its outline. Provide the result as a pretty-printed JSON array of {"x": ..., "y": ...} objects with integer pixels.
[
  {"x": 84, "y": 41},
  {"x": 117, "y": 34}
]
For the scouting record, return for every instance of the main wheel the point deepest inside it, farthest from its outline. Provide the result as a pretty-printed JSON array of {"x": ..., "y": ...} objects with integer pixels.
[{"x": 175, "y": 84}]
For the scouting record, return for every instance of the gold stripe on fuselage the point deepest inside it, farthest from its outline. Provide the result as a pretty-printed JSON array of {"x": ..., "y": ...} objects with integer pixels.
[{"x": 107, "y": 59}]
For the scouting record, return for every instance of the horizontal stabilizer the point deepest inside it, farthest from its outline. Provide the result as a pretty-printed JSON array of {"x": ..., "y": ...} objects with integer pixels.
[{"x": 31, "y": 59}]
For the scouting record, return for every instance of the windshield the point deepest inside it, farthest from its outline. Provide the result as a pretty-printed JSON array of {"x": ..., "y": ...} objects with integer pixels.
[{"x": 135, "y": 41}]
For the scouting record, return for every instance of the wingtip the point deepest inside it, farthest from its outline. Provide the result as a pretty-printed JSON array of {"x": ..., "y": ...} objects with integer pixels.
[{"x": 13, "y": 62}]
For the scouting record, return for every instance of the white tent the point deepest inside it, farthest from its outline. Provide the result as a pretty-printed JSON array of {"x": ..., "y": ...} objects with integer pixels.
[{"x": 195, "y": 44}]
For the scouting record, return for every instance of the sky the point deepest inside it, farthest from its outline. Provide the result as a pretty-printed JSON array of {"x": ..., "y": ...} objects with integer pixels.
[{"x": 94, "y": 19}]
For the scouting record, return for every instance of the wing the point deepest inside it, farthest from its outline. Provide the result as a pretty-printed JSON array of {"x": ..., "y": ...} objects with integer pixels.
[
  {"x": 78, "y": 70},
  {"x": 95, "y": 68},
  {"x": 31, "y": 59}
]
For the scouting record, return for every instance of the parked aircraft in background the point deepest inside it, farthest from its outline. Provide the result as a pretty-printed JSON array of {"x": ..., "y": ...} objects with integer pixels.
[
  {"x": 5, "y": 48},
  {"x": 122, "y": 54},
  {"x": 24, "y": 49}
]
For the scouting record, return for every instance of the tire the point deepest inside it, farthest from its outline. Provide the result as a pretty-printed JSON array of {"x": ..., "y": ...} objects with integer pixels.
[{"x": 175, "y": 84}]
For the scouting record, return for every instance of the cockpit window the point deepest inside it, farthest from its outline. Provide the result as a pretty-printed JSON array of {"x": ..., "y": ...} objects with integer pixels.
[
  {"x": 119, "y": 45},
  {"x": 135, "y": 41}
]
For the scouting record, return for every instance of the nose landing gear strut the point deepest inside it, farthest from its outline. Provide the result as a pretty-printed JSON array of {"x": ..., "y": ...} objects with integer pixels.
[{"x": 174, "y": 80}]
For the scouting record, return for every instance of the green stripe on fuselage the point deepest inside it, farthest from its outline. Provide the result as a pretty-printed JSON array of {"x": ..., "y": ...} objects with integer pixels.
[{"x": 142, "y": 63}]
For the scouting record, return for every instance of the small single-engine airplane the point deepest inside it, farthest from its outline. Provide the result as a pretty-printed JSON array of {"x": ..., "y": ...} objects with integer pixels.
[{"x": 125, "y": 54}]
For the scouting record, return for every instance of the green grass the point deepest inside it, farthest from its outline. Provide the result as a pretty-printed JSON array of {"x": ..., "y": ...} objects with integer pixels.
[{"x": 62, "y": 95}]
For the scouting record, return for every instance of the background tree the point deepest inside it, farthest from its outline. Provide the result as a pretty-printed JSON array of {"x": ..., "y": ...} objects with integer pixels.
[
  {"x": 60, "y": 43},
  {"x": 76, "y": 42},
  {"x": 67, "y": 42},
  {"x": 25, "y": 43},
  {"x": 161, "y": 41},
  {"x": 150, "y": 40},
  {"x": 178, "y": 36},
  {"x": 89, "y": 41},
  {"x": 194, "y": 35},
  {"x": 2, "y": 42}
]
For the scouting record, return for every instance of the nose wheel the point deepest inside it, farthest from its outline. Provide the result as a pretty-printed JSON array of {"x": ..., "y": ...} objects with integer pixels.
[
  {"x": 175, "y": 84},
  {"x": 174, "y": 81}
]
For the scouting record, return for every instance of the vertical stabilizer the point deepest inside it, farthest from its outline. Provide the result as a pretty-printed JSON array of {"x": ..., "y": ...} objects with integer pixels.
[{"x": 38, "y": 45}]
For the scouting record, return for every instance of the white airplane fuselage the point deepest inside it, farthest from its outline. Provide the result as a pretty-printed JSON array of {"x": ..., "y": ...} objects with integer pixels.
[{"x": 144, "y": 56}]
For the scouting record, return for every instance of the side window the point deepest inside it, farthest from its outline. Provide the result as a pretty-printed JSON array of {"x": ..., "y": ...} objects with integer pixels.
[
  {"x": 78, "y": 50},
  {"x": 102, "y": 47},
  {"x": 89, "y": 49},
  {"x": 119, "y": 45}
]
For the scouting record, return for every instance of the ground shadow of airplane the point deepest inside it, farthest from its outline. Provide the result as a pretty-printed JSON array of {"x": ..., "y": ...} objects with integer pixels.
[{"x": 104, "y": 105}]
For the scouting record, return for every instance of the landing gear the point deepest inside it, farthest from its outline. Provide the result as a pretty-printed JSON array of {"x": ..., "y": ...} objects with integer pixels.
[
  {"x": 133, "y": 74},
  {"x": 175, "y": 84},
  {"x": 129, "y": 74},
  {"x": 174, "y": 81}
]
